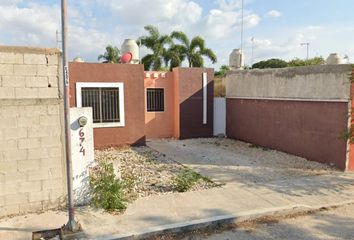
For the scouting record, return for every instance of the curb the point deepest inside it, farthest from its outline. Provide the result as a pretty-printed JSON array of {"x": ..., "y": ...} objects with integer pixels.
[{"x": 221, "y": 220}]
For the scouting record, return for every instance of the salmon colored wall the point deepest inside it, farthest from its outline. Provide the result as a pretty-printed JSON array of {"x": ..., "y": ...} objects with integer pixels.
[
  {"x": 132, "y": 75},
  {"x": 350, "y": 164},
  {"x": 176, "y": 101},
  {"x": 308, "y": 129},
  {"x": 160, "y": 124},
  {"x": 191, "y": 102}
]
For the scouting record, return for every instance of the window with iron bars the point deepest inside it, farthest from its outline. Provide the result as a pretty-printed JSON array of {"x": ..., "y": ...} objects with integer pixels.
[
  {"x": 155, "y": 99},
  {"x": 104, "y": 102}
]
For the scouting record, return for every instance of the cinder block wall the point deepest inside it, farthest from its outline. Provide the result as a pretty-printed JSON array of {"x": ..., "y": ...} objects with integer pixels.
[{"x": 31, "y": 150}]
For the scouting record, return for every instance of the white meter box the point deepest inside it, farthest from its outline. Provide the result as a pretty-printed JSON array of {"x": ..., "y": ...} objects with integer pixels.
[{"x": 82, "y": 152}]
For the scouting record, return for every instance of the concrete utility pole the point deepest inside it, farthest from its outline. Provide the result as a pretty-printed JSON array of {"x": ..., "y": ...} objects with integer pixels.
[
  {"x": 307, "y": 44},
  {"x": 71, "y": 226},
  {"x": 242, "y": 26}
]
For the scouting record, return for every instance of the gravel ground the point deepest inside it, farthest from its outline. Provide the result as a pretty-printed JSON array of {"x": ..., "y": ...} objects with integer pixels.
[
  {"x": 227, "y": 160},
  {"x": 151, "y": 172}
]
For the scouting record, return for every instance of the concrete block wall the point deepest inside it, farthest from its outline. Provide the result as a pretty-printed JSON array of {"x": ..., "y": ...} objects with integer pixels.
[{"x": 32, "y": 167}]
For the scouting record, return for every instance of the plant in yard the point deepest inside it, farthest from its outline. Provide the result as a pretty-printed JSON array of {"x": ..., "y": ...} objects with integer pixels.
[
  {"x": 192, "y": 50},
  {"x": 107, "y": 190},
  {"x": 157, "y": 44},
  {"x": 187, "y": 178},
  {"x": 112, "y": 55}
]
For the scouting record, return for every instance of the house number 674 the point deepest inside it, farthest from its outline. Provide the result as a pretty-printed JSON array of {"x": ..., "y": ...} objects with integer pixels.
[{"x": 82, "y": 140}]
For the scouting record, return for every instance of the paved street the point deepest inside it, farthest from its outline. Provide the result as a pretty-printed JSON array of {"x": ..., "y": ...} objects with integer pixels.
[{"x": 332, "y": 224}]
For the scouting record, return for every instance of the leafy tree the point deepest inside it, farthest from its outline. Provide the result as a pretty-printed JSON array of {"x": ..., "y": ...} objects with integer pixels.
[
  {"x": 191, "y": 50},
  {"x": 279, "y": 63},
  {"x": 157, "y": 44},
  {"x": 174, "y": 56},
  {"x": 222, "y": 71},
  {"x": 312, "y": 61},
  {"x": 112, "y": 55},
  {"x": 271, "y": 63}
]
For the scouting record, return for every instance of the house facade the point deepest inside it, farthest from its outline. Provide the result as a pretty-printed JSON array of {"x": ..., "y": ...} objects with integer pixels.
[{"x": 130, "y": 105}]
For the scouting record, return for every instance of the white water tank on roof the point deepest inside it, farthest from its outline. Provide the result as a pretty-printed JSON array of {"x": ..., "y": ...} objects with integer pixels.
[
  {"x": 130, "y": 45},
  {"x": 236, "y": 59},
  {"x": 78, "y": 59},
  {"x": 334, "y": 59}
]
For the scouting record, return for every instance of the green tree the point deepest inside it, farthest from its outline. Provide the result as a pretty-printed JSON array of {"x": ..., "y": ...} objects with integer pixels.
[
  {"x": 191, "y": 50},
  {"x": 222, "y": 71},
  {"x": 296, "y": 62},
  {"x": 157, "y": 44},
  {"x": 312, "y": 61},
  {"x": 112, "y": 55},
  {"x": 271, "y": 63}
]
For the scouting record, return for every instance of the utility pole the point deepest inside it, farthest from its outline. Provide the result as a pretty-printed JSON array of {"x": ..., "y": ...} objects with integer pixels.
[
  {"x": 307, "y": 44},
  {"x": 71, "y": 226}
]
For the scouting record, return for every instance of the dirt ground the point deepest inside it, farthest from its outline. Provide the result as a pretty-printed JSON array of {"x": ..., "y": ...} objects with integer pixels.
[{"x": 227, "y": 160}]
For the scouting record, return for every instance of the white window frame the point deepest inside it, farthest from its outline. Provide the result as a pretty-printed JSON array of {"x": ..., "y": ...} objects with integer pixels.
[{"x": 119, "y": 85}]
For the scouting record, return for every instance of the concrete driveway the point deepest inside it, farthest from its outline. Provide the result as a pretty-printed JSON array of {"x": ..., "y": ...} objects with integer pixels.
[
  {"x": 244, "y": 166},
  {"x": 230, "y": 161}
]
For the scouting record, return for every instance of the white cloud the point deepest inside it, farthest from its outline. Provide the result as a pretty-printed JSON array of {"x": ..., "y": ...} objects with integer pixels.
[
  {"x": 230, "y": 5},
  {"x": 173, "y": 11},
  {"x": 36, "y": 25},
  {"x": 274, "y": 14},
  {"x": 221, "y": 24},
  {"x": 94, "y": 23},
  {"x": 33, "y": 25}
]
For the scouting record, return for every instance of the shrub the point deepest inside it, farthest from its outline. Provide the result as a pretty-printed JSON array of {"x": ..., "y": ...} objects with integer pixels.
[
  {"x": 187, "y": 178},
  {"x": 107, "y": 190}
]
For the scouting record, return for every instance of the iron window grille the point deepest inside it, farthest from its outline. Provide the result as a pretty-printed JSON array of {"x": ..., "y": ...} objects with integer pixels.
[
  {"x": 106, "y": 100},
  {"x": 104, "y": 103},
  {"x": 155, "y": 99}
]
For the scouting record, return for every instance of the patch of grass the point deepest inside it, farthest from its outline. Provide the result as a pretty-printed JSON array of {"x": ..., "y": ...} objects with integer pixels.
[
  {"x": 258, "y": 147},
  {"x": 187, "y": 178},
  {"x": 149, "y": 157},
  {"x": 107, "y": 190}
]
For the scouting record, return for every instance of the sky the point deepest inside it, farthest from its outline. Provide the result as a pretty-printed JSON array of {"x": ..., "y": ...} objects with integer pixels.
[{"x": 277, "y": 27}]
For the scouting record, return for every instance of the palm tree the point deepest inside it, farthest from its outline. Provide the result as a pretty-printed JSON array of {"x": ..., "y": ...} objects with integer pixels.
[
  {"x": 156, "y": 43},
  {"x": 112, "y": 55},
  {"x": 193, "y": 50}
]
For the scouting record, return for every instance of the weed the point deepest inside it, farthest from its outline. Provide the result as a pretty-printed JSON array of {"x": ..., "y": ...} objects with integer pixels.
[
  {"x": 107, "y": 190},
  {"x": 347, "y": 135},
  {"x": 149, "y": 157},
  {"x": 259, "y": 147},
  {"x": 187, "y": 178}
]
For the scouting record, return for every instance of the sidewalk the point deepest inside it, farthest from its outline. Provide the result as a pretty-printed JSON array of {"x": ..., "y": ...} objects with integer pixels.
[{"x": 179, "y": 210}]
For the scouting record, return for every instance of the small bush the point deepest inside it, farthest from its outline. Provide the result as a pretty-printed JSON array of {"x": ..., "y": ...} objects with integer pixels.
[
  {"x": 107, "y": 191},
  {"x": 187, "y": 178}
]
